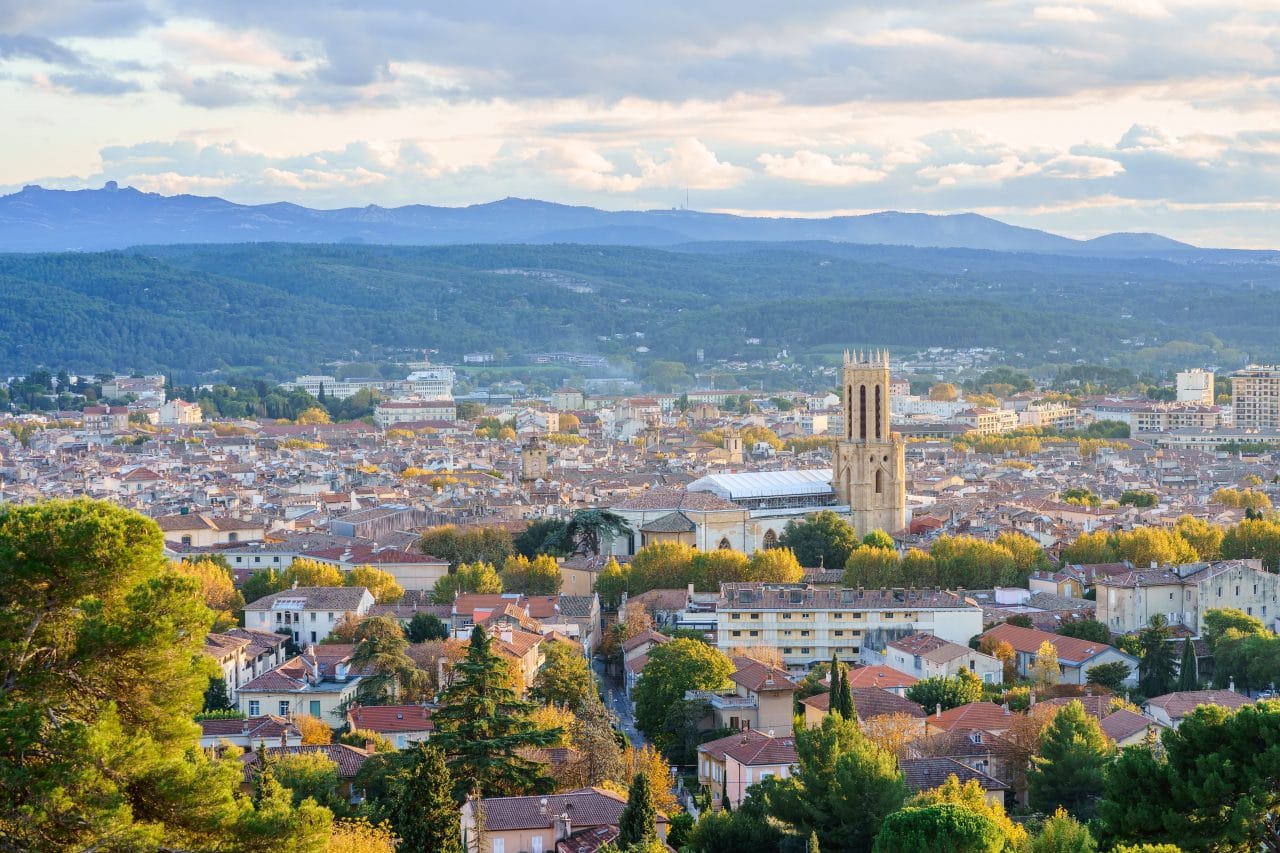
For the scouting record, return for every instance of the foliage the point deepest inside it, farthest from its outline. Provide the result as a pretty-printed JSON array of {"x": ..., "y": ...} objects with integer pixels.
[
  {"x": 359, "y": 836},
  {"x": 1068, "y": 771},
  {"x": 709, "y": 569},
  {"x": 100, "y": 647},
  {"x": 391, "y": 676},
  {"x": 843, "y": 786},
  {"x": 774, "y": 565},
  {"x": 611, "y": 583},
  {"x": 481, "y": 723},
  {"x": 1135, "y": 497},
  {"x": 460, "y": 545},
  {"x": 216, "y": 590},
  {"x": 543, "y": 536},
  {"x": 1156, "y": 666},
  {"x": 593, "y": 736},
  {"x": 662, "y": 565},
  {"x": 381, "y": 584},
  {"x": 873, "y": 567},
  {"x": 947, "y": 691},
  {"x": 971, "y": 796},
  {"x": 1253, "y": 539},
  {"x": 1044, "y": 669},
  {"x": 747, "y": 829},
  {"x": 637, "y": 826},
  {"x": 1087, "y": 628},
  {"x": 469, "y": 577},
  {"x": 565, "y": 679},
  {"x": 216, "y": 697},
  {"x": 924, "y": 829},
  {"x": 262, "y": 583},
  {"x": 1204, "y": 538},
  {"x": 1241, "y": 498},
  {"x": 424, "y": 627},
  {"x": 539, "y": 576},
  {"x": 423, "y": 810},
  {"x": 311, "y": 775},
  {"x": 1188, "y": 677},
  {"x": 314, "y": 730},
  {"x": 673, "y": 669},
  {"x": 1109, "y": 675},
  {"x": 366, "y": 738},
  {"x": 967, "y": 563},
  {"x": 1062, "y": 833},
  {"x": 590, "y": 529},
  {"x": 822, "y": 539},
  {"x": 1081, "y": 496},
  {"x": 306, "y": 572}
]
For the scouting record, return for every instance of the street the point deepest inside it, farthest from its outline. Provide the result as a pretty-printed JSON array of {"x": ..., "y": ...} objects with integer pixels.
[{"x": 616, "y": 700}]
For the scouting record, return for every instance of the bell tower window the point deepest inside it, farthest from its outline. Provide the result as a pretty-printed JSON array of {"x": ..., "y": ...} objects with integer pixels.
[
  {"x": 862, "y": 412},
  {"x": 877, "y": 410},
  {"x": 879, "y": 482}
]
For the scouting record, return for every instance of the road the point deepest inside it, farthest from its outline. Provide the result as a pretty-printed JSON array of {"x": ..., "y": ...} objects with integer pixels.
[{"x": 616, "y": 700}]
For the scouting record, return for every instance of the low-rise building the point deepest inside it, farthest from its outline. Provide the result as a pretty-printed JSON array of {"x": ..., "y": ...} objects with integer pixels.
[
  {"x": 731, "y": 764},
  {"x": 1075, "y": 656},
  {"x": 319, "y": 683},
  {"x": 540, "y": 823},
  {"x": 403, "y": 725},
  {"x": 926, "y": 655},
  {"x": 1171, "y": 708},
  {"x": 1182, "y": 594},
  {"x": 309, "y": 613},
  {"x": 394, "y": 412}
]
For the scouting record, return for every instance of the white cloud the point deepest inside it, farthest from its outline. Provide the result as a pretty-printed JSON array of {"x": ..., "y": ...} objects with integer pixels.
[
  {"x": 1066, "y": 14},
  {"x": 810, "y": 167}
]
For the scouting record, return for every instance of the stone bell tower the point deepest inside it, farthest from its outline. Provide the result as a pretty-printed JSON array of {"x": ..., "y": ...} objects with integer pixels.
[
  {"x": 533, "y": 460},
  {"x": 869, "y": 473}
]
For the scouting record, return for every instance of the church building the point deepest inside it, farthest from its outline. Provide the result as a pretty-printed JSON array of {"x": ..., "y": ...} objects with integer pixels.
[{"x": 748, "y": 511}]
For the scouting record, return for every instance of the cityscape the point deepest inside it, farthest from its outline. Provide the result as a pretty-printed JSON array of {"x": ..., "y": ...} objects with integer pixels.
[{"x": 871, "y": 444}]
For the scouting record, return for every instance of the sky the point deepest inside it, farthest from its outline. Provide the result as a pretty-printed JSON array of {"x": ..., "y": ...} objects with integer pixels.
[{"x": 1080, "y": 118}]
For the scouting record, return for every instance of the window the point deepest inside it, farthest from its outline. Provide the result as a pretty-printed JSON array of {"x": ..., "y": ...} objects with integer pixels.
[
  {"x": 232, "y": 537},
  {"x": 770, "y": 539},
  {"x": 735, "y": 615},
  {"x": 1249, "y": 611},
  {"x": 536, "y": 844},
  {"x": 735, "y": 633},
  {"x": 278, "y": 617},
  {"x": 1237, "y": 589},
  {"x": 313, "y": 616},
  {"x": 499, "y": 845},
  {"x": 275, "y": 559},
  {"x": 1171, "y": 596},
  {"x": 755, "y": 634},
  {"x": 254, "y": 707},
  {"x": 838, "y": 633},
  {"x": 284, "y": 707},
  {"x": 724, "y": 544},
  {"x": 186, "y": 540},
  {"x": 804, "y": 633},
  {"x": 313, "y": 636},
  {"x": 314, "y": 707},
  {"x": 1255, "y": 589}
]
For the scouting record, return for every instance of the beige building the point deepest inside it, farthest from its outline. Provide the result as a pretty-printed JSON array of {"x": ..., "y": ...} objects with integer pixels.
[
  {"x": 1195, "y": 386},
  {"x": 732, "y": 764},
  {"x": 808, "y": 624},
  {"x": 1164, "y": 417},
  {"x": 1056, "y": 415},
  {"x": 761, "y": 698},
  {"x": 1075, "y": 656},
  {"x": 319, "y": 683},
  {"x": 927, "y": 655},
  {"x": 201, "y": 531},
  {"x": 413, "y": 411},
  {"x": 542, "y": 823},
  {"x": 1255, "y": 397},
  {"x": 179, "y": 412},
  {"x": 989, "y": 421},
  {"x": 1183, "y": 594},
  {"x": 870, "y": 474}
]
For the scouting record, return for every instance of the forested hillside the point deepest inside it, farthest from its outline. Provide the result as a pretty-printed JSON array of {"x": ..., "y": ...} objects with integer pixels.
[{"x": 286, "y": 307}]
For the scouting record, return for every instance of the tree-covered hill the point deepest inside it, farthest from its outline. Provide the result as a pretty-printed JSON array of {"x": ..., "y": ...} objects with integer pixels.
[{"x": 287, "y": 307}]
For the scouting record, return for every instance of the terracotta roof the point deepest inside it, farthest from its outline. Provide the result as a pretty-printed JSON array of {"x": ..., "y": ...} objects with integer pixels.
[
  {"x": 586, "y": 807},
  {"x": 881, "y": 676},
  {"x": 869, "y": 702},
  {"x": 760, "y": 596},
  {"x": 760, "y": 677},
  {"x": 1123, "y": 723},
  {"x": 770, "y": 750},
  {"x": 647, "y": 637},
  {"x": 923, "y": 774},
  {"x": 1094, "y": 706},
  {"x": 588, "y": 840},
  {"x": 268, "y": 726},
  {"x": 987, "y": 716},
  {"x": 665, "y": 497},
  {"x": 716, "y": 748},
  {"x": 391, "y": 718},
  {"x": 1178, "y": 704},
  {"x": 348, "y": 758},
  {"x": 1071, "y": 650}
]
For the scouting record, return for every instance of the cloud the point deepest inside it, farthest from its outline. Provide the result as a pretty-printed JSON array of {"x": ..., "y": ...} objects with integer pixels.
[
  {"x": 220, "y": 89},
  {"x": 37, "y": 48},
  {"x": 810, "y": 167},
  {"x": 1066, "y": 14},
  {"x": 94, "y": 83}
]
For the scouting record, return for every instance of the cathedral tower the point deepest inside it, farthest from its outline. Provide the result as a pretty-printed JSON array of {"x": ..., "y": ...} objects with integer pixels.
[{"x": 869, "y": 472}]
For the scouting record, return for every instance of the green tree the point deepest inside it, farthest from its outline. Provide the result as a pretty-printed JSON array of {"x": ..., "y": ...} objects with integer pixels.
[
  {"x": 1156, "y": 666},
  {"x": 1135, "y": 497},
  {"x": 873, "y": 567},
  {"x": 667, "y": 376},
  {"x": 470, "y": 577},
  {"x": 595, "y": 739},
  {"x": 971, "y": 796},
  {"x": 949, "y": 692},
  {"x": 590, "y": 529},
  {"x": 662, "y": 565},
  {"x": 424, "y": 627},
  {"x": 1086, "y": 629},
  {"x": 1109, "y": 675},
  {"x": 423, "y": 811},
  {"x": 611, "y": 583},
  {"x": 674, "y": 668},
  {"x": 723, "y": 565},
  {"x": 262, "y": 583},
  {"x": 311, "y": 573},
  {"x": 1068, "y": 771},
  {"x": 919, "y": 569},
  {"x": 1219, "y": 620},
  {"x": 481, "y": 725},
  {"x": 311, "y": 775},
  {"x": 216, "y": 697},
  {"x": 823, "y": 539},
  {"x": 381, "y": 651},
  {"x": 101, "y": 672},
  {"x": 1253, "y": 539},
  {"x": 637, "y": 826},
  {"x": 878, "y": 539},
  {"x": 925, "y": 829},
  {"x": 1062, "y": 833},
  {"x": 565, "y": 679},
  {"x": 842, "y": 700},
  {"x": 543, "y": 536},
  {"x": 746, "y": 829},
  {"x": 1143, "y": 546},
  {"x": 1188, "y": 678},
  {"x": 1028, "y": 556},
  {"x": 461, "y": 545},
  {"x": 968, "y": 563},
  {"x": 842, "y": 789}
]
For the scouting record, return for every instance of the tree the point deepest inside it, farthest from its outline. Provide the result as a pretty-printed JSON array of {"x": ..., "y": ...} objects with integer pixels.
[
  {"x": 1086, "y": 629},
  {"x": 1044, "y": 669},
  {"x": 467, "y": 545},
  {"x": 481, "y": 723},
  {"x": 662, "y": 565},
  {"x": 216, "y": 590},
  {"x": 1156, "y": 665},
  {"x": 1135, "y": 497},
  {"x": 543, "y": 536},
  {"x": 949, "y": 692},
  {"x": 637, "y": 826},
  {"x": 470, "y": 577},
  {"x": 1062, "y": 833},
  {"x": 893, "y": 733},
  {"x": 423, "y": 810},
  {"x": 382, "y": 653},
  {"x": 667, "y": 376},
  {"x": 313, "y": 729},
  {"x": 919, "y": 569},
  {"x": 216, "y": 697},
  {"x": 305, "y": 572},
  {"x": 843, "y": 786},
  {"x": 971, "y": 796},
  {"x": 709, "y": 569},
  {"x": 924, "y": 829},
  {"x": 1090, "y": 548},
  {"x": 873, "y": 567},
  {"x": 1204, "y": 538},
  {"x": 674, "y": 668},
  {"x": 381, "y": 585},
  {"x": 822, "y": 539},
  {"x": 312, "y": 416},
  {"x": 565, "y": 679},
  {"x": 746, "y": 829},
  {"x": 943, "y": 391},
  {"x": 1219, "y": 620},
  {"x": 539, "y": 576},
  {"x": 611, "y": 583},
  {"x": 1253, "y": 539},
  {"x": 1109, "y": 675},
  {"x": 1028, "y": 556},
  {"x": 592, "y": 528},
  {"x": 969, "y": 563},
  {"x": 1068, "y": 772},
  {"x": 424, "y": 627},
  {"x": 1003, "y": 651},
  {"x": 101, "y": 672},
  {"x": 367, "y": 739},
  {"x": 593, "y": 736},
  {"x": 842, "y": 700},
  {"x": 649, "y": 761},
  {"x": 774, "y": 565},
  {"x": 311, "y": 775},
  {"x": 262, "y": 583},
  {"x": 1188, "y": 678},
  {"x": 1143, "y": 546},
  {"x": 358, "y": 835}
]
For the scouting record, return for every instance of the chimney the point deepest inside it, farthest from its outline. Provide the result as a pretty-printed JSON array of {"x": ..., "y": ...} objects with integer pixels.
[
  {"x": 1032, "y": 702},
  {"x": 938, "y": 709},
  {"x": 1231, "y": 685},
  {"x": 542, "y": 806},
  {"x": 506, "y": 636},
  {"x": 564, "y": 827}
]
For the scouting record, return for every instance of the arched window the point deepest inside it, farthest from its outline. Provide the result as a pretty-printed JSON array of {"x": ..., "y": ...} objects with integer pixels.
[
  {"x": 848, "y": 411},
  {"x": 879, "y": 482},
  {"x": 770, "y": 539},
  {"x": 233, "y": 536},
  {"x": 862, "y": 412},
  {"x": 724, "y": 544},
  {"x": 877, "y": 410}
]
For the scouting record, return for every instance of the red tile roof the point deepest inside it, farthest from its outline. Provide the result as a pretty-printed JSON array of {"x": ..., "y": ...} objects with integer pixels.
[
  {"x": 348, "y": 758},
  {"x": 1071, "y": 650},
  {"x": 391, "y": 718},
  {"x": 869, "y": 702},
  {"x": 987, "y": 716},
  {"x": 760, "y": 677},
  {"x": 586, "y": 807},
  {"x": 881, "y": 676}
]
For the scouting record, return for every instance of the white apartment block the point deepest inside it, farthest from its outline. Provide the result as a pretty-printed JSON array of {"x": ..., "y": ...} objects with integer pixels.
[
  {"x": 1056, "y": 415},
  {"x": 808, "y": 624},
  {"x": 308, "y": 613},
  {"x": 1195, "y": 386},
  {"x": 412, "y": 411}
]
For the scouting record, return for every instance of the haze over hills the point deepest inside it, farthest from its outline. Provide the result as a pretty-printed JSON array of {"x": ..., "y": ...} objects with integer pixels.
[{"x": 40, "y": 220}]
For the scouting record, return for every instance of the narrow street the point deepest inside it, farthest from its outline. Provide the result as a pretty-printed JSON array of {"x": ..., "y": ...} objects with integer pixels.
[{"x": 616, "y": 700}]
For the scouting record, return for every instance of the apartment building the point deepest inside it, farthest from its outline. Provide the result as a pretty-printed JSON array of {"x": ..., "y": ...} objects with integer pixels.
[
  {"x": 989, "y": 421},
  {"x": 308, "y": 613},
  {"x": 1056, "y": 415},
  {"x": 808, "y": 624},
  {"x": 413, "y": 411},
  {"x": 1195, "y": 386},
  {"x": 1255, "y": 397},
  {"x": 1183, "y": 594}
]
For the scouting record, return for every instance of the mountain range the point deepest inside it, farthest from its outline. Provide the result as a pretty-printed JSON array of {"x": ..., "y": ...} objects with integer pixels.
[{"x": 113, "y": 217}]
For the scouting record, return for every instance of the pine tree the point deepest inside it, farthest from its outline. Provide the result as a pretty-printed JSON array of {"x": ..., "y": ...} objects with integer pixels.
[
  {"x": 423, "y": 811},
  {"x": 1155, "y": 668},
  {"x": 637, "y": 826},
  {"x": 1068, "y": 771},
  {"x": 1187, "y": 675},
  {"x": 481, "y": 723},
  {"x": 215, "y": 696}
]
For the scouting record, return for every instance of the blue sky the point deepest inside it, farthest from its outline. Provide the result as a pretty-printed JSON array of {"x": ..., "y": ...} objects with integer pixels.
[{"x": 1080, "y": 118}]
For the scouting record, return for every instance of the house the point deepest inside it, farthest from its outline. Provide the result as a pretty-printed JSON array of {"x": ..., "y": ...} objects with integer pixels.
[
  {"x": 884, "y": 677},
  {"x": 308, "y": 612},
  {"x": 349, "y": 760},
  {"x": 868, "y": 703},
  {"x": 925, "y": 655},
  {"x": 202, "y": 531},
  {"x": 243, "y": 654},
  {"x": 403, "y": 725},
  {"x": 979, "y": 716},
  {"x": 1184, "y": 593},
  {"x": 1171, "y": 708},
  {"x": 104, "y": 420},
  {"x": 267, "y": 730},
  {"x": 762, "y": 698},
  {"x": 635, "y": 654},
  {"x": 319, "y": 683},
  {"x": 1127, "y": 728},
  {"x": 925, "y": 774},
  {"x": 733, "y": 763},
  {"x": 180, "y": 412},
  {"x": 1075, "y": 656},
  {"x": 538, "y": 823}
]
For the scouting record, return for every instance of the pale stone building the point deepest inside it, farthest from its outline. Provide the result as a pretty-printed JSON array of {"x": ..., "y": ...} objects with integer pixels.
[
  {"x": 870, "y": 473},
  {"x": 1183, "y": 594}
]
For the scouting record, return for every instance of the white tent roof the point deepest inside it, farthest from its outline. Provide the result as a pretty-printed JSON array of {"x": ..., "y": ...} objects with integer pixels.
[{"x": 765, "y": 484}]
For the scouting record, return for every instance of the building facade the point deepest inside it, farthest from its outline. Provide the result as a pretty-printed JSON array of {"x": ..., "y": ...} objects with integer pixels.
[
  {"x": 1183, "y": 594},
  {"x": 870, "y": 473},
  {"x": 1255, "y": 397}
]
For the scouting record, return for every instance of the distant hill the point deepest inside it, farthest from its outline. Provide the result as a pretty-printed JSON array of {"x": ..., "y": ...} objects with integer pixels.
[{"x": 40, "y": 220}]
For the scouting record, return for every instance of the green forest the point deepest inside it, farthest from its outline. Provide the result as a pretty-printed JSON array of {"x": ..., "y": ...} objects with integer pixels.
[{"x": 282, "y": 308}]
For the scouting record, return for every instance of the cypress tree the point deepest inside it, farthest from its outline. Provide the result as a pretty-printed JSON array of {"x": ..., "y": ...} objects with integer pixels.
[
  {"x": 1187, "y": 676},
  {"x": 833, "y": 692},
  {"x": 423, "y": 811},
  {"x": 637, "y": 826},
  {"x": 812, "y": 846},
  {"x": 846, "y": 695}
]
